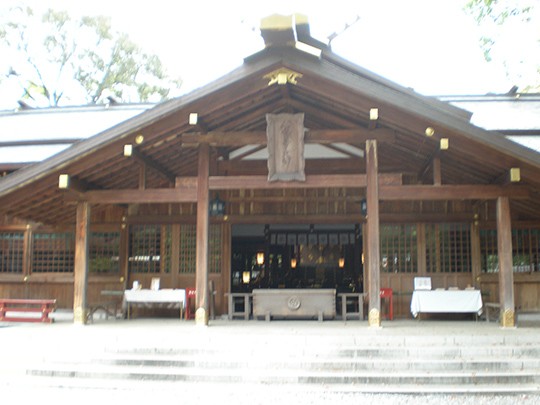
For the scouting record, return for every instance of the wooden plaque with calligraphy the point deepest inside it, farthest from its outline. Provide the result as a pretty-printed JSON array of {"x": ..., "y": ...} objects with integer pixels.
[{"x": 285, "y": 134}]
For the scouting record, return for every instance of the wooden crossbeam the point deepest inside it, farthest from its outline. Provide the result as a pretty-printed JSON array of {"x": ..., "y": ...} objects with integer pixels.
[
  {"x": 148, "y": 196},
  {"x": 356, "y": 136},
  {"x": 390, "y": 189},
  {"x": 451, "y": 192},
  {"x": 313, "y": 181}
]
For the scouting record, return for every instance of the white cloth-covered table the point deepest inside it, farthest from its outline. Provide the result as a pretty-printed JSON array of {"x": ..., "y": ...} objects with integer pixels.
[
  {"x": 446, "y": 301},
  {"x": 167, "y": 297}
]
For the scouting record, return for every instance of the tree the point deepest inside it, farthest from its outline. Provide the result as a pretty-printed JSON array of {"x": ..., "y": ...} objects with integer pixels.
[
  {"x": 63, "y": 60},
  {"x": 510, "y": 37}
]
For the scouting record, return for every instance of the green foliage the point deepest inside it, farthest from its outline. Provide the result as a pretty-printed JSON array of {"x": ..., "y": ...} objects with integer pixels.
[
  {"x": 65, "y": 60},
  {"x": 103, "y": 265},
  {"x": 504, "y": 30},
  {"x": 495, "y": 10}
]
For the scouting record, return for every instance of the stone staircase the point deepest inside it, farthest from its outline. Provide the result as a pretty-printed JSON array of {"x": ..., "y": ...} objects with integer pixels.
[{"x": 352, "y": 360}]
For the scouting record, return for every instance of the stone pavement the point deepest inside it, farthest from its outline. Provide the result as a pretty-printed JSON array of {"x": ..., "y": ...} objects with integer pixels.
[{"x": 33, "y": 345}]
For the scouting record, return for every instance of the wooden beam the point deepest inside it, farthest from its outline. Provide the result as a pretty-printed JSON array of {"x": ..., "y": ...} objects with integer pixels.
[
  {"x": 352, "y": 136},
  {"x": 71, "y": 184},
  {"x": 40, "y": 142},
  {"x": 142, "y": 176},
  {"x": 312, "y": 181},
  {"x": 389, "y": 189},
  {"x": 152, "y": 164},
  {"x": 148, "y": 196},
  {"x": 437, "y": 177},
  {"x": 80, "y": 273},
  {"x": 373, "y": 243},
  {"x": 451, "y": 192},
  {"x": 302, "y": 219},
  {"x": 313, "y": 166},
  {"x": 242, "y": 138},
  {"x": 506, "y": 272},
  {"x": 201, "y": 275}
]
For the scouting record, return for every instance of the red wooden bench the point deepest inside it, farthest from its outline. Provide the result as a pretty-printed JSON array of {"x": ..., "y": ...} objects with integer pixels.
[{"x": 41, "y": 307}]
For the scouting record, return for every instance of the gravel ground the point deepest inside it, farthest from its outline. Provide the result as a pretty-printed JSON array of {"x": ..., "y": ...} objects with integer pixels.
[{"x": 156, "y": 394}]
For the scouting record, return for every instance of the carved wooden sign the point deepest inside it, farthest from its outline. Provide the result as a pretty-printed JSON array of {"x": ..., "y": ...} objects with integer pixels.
[{"x": 285, "y": 135}]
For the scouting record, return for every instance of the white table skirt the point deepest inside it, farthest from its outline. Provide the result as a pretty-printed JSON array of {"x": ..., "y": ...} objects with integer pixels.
[
  {"x": 446, "y": 301},
  {"x": 155, "y": 296},
  {"x": 148, "y": 298}
]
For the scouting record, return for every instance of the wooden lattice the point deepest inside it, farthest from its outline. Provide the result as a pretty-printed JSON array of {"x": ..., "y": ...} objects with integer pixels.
[
  {"x": 105, "y": 252},
  {"x": 145, "y": 248},
  {"x": 11, "y": 252},
  {"x": 188, "y": 242},
  {"x": 188, "y": 249},
  {"x": 525, "y": 250},
  {"x": 398, "y": 248},
  {"x": 53, "y": 252},
  {"x": 448, "y": 248}
]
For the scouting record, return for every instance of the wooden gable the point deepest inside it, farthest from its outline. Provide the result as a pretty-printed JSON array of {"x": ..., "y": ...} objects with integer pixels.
[{"x": 421, "y": 140}]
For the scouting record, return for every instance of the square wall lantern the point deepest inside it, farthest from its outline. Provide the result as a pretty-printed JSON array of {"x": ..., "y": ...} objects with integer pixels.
[{"x": 216, "y": 207}]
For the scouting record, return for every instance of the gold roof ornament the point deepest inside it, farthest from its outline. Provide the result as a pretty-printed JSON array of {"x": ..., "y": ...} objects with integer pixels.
[{"x": 283, "y": 76}]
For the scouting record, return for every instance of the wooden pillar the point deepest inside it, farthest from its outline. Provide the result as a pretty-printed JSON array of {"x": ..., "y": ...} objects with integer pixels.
[
  {"x": 176, "y": 230},
  {"x": 27, "y": 249},
  {"x": 506, "y": 274},
  {"x": 80, "y": 277},
  {"x": 226, "y": 254},
  {"x": 124, "y": 253},
  {"x": 373, "y": 242},
  {"x": 476, "y": 255},
  {"x": 421, "y": 255},
  {"x": 201, "y": 276}
]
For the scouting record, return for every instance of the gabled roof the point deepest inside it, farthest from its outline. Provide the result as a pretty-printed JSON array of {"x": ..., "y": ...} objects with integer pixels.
[
  {"x": 515, "y": 115},
  {"x": 34, "y": 134},
  {"x": 333, "y": 94}
]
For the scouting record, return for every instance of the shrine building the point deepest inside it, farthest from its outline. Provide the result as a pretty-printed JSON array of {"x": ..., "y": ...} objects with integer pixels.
[{"x": 298, "y": 170}]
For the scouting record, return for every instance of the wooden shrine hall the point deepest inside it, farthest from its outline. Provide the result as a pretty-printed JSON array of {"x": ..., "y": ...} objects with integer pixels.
[{"x": 341, "y": 173}]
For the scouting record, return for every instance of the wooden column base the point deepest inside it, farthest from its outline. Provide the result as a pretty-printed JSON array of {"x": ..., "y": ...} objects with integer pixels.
[
  {"x": 79, "y": 316},
  {"x": 508, "y": 319},
  {"x": 374, "y": 318},
  {"x": 201, "y": 317}
]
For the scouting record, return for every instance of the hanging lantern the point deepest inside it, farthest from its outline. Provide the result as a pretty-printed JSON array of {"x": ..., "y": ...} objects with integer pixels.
[
  {"x": 363, "y": 207},
  {"x": 260, "y": 258},
  {"x": 217, "y": 207}
]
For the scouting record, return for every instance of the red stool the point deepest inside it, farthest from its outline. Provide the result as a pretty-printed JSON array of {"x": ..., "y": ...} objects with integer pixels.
[
  {"x": 387, "y": 293},
  {"x": 190, "y": 295}
]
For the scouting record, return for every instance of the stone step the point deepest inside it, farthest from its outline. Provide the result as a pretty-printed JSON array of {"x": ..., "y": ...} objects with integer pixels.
[
  {"x": 289, "y": 352},
  {"x": 289, "y": 376},
  {"x": 492, "y": 364},
  {"x": 131, "y": 391}
]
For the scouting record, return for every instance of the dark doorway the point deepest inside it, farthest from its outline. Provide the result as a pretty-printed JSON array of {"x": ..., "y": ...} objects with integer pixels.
[{"x": 297, "y": 256}]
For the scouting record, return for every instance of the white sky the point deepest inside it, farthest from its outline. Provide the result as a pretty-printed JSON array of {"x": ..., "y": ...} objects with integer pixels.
[{"x": 428, "y": 45}]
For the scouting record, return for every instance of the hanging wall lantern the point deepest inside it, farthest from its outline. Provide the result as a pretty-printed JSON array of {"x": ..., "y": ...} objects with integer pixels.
[
  {"x": 363, "y": 207},
  {"x": 217, "y": 206}
]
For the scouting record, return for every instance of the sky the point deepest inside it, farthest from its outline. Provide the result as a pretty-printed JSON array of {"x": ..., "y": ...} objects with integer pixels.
[{"x": 431, "y": 46}]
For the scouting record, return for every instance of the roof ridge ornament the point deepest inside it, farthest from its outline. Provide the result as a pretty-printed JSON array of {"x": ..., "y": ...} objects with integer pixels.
[{"x": 283, "y": 76}]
